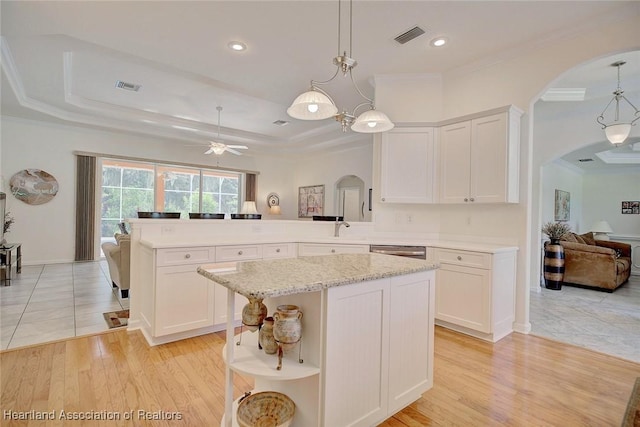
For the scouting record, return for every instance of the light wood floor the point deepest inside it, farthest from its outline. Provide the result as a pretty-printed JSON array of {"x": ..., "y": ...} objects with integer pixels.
[{"x": 520, "y": 381}]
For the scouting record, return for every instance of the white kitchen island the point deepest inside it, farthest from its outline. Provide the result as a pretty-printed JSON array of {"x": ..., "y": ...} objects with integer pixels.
[{"x": 367, "y": 334}]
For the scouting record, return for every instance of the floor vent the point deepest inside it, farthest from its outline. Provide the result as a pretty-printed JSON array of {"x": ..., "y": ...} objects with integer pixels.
[
  {"x": 407, "y": 36},
  {"x": 128, "y": 86}
]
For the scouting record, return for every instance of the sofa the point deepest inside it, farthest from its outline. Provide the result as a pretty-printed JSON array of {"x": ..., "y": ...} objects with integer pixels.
[
  {"x": 118, "y": 257},
  {"x": 597, "y": 264}
]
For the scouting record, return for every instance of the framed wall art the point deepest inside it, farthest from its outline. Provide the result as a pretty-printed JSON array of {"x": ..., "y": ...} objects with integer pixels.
[
  {"x": 562, "y": 206},
  {"x": 631, "y": 207},
  {"x": 310, "y": 201}
]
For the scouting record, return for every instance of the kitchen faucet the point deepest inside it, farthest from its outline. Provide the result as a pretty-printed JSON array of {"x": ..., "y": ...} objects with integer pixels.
[{"x": 336, "y": 232}]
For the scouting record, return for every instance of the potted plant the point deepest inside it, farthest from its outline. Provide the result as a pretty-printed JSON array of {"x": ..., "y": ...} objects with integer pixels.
[
  {"x": 8, "y": 220},
  {"x": 555, "y": 230},
  {"x": 554, "y": 254}
]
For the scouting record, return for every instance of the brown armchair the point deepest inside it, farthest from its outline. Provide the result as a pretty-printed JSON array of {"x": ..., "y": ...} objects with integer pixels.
[{"x": 600, "y": 264}]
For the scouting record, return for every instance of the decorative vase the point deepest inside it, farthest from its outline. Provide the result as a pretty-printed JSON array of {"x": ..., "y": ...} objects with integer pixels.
[
  {"x": 253, "y": 314},
  {"x": 553, "y": 265},
  {"x": 287, "y": 327},
  {"x": 266, "y": 338}
]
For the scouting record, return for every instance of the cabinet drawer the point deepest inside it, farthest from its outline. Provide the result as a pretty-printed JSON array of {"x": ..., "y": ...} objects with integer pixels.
[
  {"x": 279, "y": 250},
  {"x": 466, "y": 258},
  {"x": 306, "y": 249},
  {"x": 184, "y": 256},
  {"x": 238, "y": 253}
]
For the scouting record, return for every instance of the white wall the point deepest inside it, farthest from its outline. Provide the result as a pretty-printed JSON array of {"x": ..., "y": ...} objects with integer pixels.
[
  {"x": 327, "y": 169},
  {"x": 47, "y": 231},
  {"x": 558, "y": 177},
  {"x": 603, "y": 194}
]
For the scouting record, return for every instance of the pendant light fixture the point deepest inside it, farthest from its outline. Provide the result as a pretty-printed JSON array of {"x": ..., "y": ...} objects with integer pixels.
[
  {"x": 618, "y": 131},
  {"x": 317, "y": 104}
]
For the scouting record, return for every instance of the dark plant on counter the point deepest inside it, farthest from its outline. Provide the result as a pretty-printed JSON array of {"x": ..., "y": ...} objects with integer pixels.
[
  {"x": 555, "y": 230},
  {"x": 8, "y": 220}
]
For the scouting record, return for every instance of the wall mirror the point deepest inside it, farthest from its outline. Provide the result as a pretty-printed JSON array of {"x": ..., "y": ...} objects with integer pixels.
[{"x": 351, "y": 200}]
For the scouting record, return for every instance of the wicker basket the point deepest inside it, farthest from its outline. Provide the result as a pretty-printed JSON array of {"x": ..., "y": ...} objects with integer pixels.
[{"x": 266, "y": 409}]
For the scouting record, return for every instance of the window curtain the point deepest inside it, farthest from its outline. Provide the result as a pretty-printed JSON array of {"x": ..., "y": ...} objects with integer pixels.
[
  {"x": 250, "y": 187},
  {"x": 85, "y": 207}
]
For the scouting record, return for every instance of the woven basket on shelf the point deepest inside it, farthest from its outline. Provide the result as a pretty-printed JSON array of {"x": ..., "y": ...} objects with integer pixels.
[{"x": 266, "y": 409}]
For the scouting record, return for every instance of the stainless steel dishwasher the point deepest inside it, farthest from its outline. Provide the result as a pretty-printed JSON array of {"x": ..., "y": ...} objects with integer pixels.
[{"x": 418, "y": 252}]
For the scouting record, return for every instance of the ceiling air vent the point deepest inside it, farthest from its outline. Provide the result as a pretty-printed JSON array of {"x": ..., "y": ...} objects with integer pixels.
[
  {"x": 409, "y": 35},
  {"x": 585, "y": 160},
  {"x": 281, "y": 123},
  {"x": 128, "y": 86}
]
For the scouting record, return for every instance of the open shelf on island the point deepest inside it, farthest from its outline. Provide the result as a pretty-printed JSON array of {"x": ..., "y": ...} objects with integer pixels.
[{"x": 250, "y": 360}]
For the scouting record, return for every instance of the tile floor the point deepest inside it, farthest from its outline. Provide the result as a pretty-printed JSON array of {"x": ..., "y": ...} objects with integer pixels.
[
  {"x": 56, "y": 301},
  {"x": 605, "y": 322}
]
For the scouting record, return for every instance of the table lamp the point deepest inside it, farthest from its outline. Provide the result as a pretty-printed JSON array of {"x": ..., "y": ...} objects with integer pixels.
[{"x": 601, "y": 229}]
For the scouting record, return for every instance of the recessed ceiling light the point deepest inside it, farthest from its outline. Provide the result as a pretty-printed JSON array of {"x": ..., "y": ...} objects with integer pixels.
[
  {"x": 237, "y": 46},
  {"x": 439, "y": 41}
]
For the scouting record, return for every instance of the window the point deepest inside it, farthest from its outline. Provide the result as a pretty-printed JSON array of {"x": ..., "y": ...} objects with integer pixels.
[{"x": 131, "y": 186}]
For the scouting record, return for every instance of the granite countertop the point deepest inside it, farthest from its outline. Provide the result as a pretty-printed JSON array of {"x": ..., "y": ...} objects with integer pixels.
[{"x": 276, "y": 277}]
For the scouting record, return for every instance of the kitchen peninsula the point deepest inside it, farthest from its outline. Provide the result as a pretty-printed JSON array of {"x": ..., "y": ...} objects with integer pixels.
[
  {"x": 367, "y": 346},
  {"x": 169, "y": 300}
]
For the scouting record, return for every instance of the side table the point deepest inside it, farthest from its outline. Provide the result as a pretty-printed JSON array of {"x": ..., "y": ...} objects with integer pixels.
[{"x": 7, "y": 261}]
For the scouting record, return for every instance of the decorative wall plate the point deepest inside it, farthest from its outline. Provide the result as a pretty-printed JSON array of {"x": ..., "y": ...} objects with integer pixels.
[
  {"x": 273, "y": 199},
  {"x": 33, "y": 186}
]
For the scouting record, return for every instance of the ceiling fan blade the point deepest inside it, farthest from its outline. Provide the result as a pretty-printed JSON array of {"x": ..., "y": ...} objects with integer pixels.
[
  {"x": 231, "y": 150},
  {"x": 242, "y": 147},
  {"x": 209, "y": 151}
]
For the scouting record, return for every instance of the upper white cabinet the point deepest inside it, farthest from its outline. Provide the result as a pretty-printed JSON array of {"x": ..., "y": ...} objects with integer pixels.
[
  {"x": 479, "y": 159},
  {"x": 408, "y": 166}
]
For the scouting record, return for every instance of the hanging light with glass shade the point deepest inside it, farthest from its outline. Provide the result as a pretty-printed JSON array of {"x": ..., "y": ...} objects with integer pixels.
[
  {"x": 617, "y": 131},
  {"x": 317, "y": 104}
]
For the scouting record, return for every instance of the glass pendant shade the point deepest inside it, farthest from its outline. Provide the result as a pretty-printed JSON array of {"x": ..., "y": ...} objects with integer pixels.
[
  {"x": 372, "y": 121},
  {"x": 616, "y": 134},
  {"x": 312, "y": 105}
]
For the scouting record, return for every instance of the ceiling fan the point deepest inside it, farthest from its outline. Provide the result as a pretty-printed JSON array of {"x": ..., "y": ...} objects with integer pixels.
[{"x": 218, "y": 148}]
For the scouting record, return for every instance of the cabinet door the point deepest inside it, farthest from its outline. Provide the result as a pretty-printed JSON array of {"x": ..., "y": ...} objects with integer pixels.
[
  {"x": 489, "y": 159},
  {"x": 184, "y": 300},
  {"x": 357, "y": 348},
  {"x": 407, "y": 166},
  {"x": 463, "y": 296},
  {"x": 455, "y": 163},
  {"x": 411, "y": 309}
]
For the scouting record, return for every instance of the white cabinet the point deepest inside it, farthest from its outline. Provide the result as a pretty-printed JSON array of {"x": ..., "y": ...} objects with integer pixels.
[
  {"x": 238, "y": 253},
  {"x": 279, "y": 250},
  {"x": 479, "y": 159},
  {"x": 180, "y": 299},
  {"x": 379, "y": 348},
  {"x": 308, "y": 249},
  {"x": 475, "y": 292},
  {"x": 408, "y": 166}
]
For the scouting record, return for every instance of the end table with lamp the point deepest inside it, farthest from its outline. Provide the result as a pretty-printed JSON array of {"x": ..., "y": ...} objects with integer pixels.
[{"x": 7, "y": 261}]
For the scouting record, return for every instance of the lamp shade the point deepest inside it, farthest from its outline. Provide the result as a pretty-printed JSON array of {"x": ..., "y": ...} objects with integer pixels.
[
  {"x": 249, "y": 207},
  {"x": 616, "y": 134},
  {"x": 372, "y": 121},
  {"x": 312, "y": 105},
  {"x": 600, "y": 230},
  {"x": 601, "y": 227}
]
